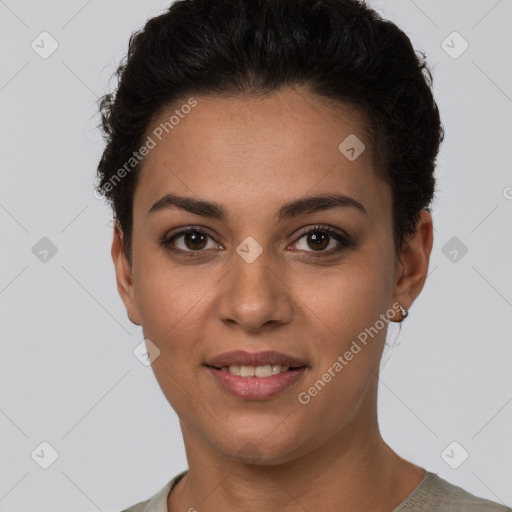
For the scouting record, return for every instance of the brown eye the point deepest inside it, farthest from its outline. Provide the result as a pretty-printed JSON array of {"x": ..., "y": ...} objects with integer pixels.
[
  {"x": 323, "y": 240},
  {"x": 318, "y": 240},
  {"x": 195, "y": 240},
  {"x": 188, "y": 242}
]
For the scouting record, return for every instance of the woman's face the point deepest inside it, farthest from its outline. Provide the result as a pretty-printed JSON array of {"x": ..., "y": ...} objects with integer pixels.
[{"x": 264, "y": 276}]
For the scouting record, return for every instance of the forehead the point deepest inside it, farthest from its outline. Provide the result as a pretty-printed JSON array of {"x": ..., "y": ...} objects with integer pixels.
[{"x": 262, "y": 149}]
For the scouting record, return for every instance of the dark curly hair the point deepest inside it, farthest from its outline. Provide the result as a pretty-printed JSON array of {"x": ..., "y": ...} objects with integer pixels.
[{"x": 340, "y": 49}]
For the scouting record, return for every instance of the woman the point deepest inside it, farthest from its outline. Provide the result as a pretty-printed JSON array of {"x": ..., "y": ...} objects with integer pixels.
[{"x": 270, "y": 167}]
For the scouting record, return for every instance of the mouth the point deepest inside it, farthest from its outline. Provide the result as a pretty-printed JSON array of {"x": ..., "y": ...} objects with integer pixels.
[{"x": 255, "y": 376}]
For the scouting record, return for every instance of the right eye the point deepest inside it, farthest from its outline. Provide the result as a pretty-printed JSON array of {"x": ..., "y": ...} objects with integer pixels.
[{"x": 193, "y": 241}]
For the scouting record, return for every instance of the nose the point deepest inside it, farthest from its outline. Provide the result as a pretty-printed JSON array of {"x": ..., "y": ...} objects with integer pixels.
[{"x": 254, "y": 295}]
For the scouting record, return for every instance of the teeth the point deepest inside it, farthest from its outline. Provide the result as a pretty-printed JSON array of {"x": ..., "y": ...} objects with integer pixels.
[
  {"x": 276, "y": 368},
  {"x": 247, "y": 371},
  {"x": 255, "y": 371},
  {"x": 263, "y": 371},
  {"x": 235, "y": 370}
]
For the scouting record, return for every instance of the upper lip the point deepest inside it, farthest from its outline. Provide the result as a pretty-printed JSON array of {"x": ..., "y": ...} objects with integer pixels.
[{"x": 240, "y": 357}]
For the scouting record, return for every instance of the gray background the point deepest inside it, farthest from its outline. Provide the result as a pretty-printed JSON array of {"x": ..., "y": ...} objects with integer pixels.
[{"x": 68, "y": 375}]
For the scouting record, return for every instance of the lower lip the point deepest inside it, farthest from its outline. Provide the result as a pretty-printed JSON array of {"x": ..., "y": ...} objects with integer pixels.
[{"x": 256, "y": 388}]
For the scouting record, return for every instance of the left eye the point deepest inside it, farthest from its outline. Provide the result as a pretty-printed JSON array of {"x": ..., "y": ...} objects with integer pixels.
[{"x": 321, "y": 239}]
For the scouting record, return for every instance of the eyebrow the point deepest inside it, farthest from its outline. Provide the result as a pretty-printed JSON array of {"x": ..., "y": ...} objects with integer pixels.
[{"x": 304, "y": 205}]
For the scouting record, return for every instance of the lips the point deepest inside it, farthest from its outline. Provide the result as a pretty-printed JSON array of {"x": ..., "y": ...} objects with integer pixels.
[{"x": 242, "y": 358}]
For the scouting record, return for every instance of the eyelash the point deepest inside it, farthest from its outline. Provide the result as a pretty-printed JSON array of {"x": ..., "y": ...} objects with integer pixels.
[{"x": 344, "y": 241}]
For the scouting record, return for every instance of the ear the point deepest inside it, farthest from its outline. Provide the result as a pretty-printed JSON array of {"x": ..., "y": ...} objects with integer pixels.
[
  {"x": 412, "y": 262},
  {"x": 124, "y": 275}
]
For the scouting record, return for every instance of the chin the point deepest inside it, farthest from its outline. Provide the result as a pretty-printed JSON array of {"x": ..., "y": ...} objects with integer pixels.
[{"x": 268, "y": 449}]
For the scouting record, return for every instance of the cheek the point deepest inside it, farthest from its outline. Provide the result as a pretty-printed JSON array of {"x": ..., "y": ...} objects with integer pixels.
[
  {"x": 342, "y": 310},
  {"x": 169, "y": 304},
  {"x": 172, "y": 302},
  {"x": 165, "y": 291},
  {"x": 338, "y": 310},
  {"x": 342, "y": 300}
]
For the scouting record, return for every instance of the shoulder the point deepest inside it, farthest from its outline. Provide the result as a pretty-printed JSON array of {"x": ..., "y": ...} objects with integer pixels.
[
  {"x": 158, "y": 502},
  {"x": 438, "y": 495}
]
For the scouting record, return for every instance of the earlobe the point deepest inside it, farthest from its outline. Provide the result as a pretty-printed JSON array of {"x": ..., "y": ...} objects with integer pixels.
[
  {"x": 124, "y": 275},
  {"x": 412, "y": 264}
]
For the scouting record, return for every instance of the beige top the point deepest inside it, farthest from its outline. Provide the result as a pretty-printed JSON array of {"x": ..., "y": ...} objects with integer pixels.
[{"x": 432, "y": 494}]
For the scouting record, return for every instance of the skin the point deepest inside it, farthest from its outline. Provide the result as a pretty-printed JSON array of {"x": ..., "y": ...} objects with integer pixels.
[{"x": 252, "y": 155}]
